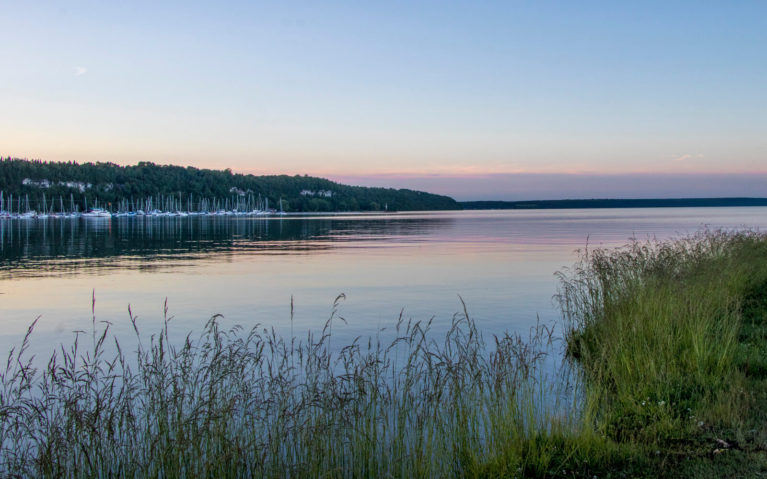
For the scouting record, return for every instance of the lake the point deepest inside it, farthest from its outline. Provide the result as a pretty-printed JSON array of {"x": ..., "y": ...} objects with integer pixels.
[{"x": 501, "y": 263}]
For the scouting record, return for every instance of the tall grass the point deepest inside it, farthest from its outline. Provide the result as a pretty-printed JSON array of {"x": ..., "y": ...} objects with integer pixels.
[
  {"x": 656, "y": 326},
  {"x": 249, "y": 403}
]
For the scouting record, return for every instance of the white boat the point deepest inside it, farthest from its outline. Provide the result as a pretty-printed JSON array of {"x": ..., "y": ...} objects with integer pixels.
[{"x": 97, "y": 213}]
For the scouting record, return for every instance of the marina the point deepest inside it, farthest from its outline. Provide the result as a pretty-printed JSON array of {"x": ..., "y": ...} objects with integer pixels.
[{"x": 172, "y": 207}]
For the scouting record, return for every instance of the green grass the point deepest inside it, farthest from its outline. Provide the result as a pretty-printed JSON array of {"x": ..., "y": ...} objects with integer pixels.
[
  {"x": 666, "y": 377},
  {"x": 670, "y": 341}
]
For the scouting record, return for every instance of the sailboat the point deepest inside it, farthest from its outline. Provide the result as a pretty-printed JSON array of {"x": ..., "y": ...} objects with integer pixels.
[
  {"x": 44, "y": 214},
  {"x": 29, "y": 214}
]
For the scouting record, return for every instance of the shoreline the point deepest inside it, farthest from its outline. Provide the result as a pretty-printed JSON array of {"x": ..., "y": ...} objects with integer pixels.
[{"x": 666, "y": 342}]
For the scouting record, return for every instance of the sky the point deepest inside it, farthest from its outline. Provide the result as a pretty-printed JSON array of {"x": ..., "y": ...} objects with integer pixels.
[{"x": 477, "y": 100}]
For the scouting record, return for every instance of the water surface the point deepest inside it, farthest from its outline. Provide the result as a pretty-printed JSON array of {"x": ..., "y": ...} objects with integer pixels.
[{"x": 502, "y": 263}]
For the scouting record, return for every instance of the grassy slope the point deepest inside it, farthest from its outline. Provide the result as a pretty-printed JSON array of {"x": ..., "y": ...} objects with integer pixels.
[{"x": 672, "y": 341}]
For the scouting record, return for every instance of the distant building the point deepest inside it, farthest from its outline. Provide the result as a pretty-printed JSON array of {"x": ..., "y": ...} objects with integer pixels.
[
  {"x": 323, "y": 193},
  {"x": 76, "y": 184},
  {"x": 38, "y": 183},
  {"x": 79, "y": 185}
]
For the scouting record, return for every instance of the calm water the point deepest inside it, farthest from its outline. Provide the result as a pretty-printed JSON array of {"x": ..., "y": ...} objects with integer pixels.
[{"x": 502, "y": 263}]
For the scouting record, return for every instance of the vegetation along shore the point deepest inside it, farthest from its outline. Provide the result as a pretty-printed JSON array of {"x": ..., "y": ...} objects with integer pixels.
[
  {"x": 68, "y": 187},
  {"x": 665, "y": 376}
]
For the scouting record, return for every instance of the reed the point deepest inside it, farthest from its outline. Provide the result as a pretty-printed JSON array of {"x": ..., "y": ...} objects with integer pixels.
[{"x": 249, "y": 403}]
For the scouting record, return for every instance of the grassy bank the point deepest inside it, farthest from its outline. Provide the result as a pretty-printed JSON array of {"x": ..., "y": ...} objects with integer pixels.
[
  {"x": 668, "y": 377},
  {"x": 670, "y": 339}
]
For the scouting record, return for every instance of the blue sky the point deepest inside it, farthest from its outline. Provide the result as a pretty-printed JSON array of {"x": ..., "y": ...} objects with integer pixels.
[{"x": 410, "y": 93}]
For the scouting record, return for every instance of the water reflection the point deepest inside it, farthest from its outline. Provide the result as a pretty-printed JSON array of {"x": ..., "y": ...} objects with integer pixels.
[
  {"x": 501, "y": 263},
  {"x": 68, "y": 246}
]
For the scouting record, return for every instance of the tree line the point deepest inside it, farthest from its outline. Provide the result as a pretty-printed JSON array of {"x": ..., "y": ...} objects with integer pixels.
[{"x": 111, "y": 184}]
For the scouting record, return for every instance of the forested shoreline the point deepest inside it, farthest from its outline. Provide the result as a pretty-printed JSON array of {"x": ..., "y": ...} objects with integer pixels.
[{"x": 110, "y": 185}]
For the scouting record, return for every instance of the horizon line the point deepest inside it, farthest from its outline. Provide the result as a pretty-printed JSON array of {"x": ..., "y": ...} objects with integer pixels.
[{"x": 448, "y": 174}]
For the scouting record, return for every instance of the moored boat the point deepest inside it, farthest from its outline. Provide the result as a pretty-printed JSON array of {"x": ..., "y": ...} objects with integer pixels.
[{"x": 97, "y": 213}]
